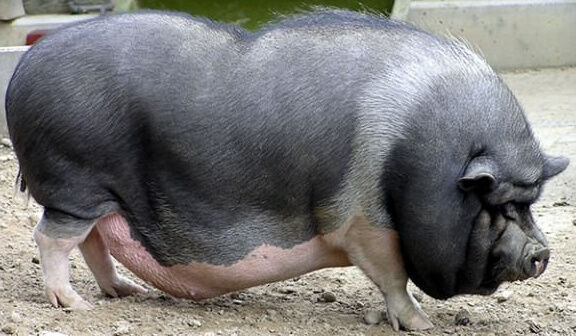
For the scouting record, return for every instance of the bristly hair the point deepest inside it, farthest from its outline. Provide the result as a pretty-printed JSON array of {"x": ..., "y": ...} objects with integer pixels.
[
  {"x": 20, "y": 186},
  {"x": 22, "y": 181},
  {"x": 318, "y": 15}
]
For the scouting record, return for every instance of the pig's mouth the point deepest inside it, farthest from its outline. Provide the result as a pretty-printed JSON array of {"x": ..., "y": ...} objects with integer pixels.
[
  {"x": 532, "y": 263},
  {"x": 516, "y": 254}
]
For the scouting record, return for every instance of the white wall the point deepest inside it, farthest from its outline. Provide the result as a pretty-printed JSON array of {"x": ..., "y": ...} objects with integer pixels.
[
  {"x": 511, "y": 34},
  {"x": 9, "y": 57}
]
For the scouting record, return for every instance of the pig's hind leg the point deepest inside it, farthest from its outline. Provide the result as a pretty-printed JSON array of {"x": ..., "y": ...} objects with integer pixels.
[
  {"x": 56, "y": 235},
  {"x": 98, "y": 258}
]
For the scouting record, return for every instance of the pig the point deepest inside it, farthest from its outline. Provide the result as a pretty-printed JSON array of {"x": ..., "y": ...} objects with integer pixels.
[{"x": 208, "y": 159}]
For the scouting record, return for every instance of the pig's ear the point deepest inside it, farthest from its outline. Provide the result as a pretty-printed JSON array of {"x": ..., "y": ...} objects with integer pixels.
[
  {"x": 554, "y": 165},
  {"x": 479, "y": 176},
  {"x": 481, "y": 182}
]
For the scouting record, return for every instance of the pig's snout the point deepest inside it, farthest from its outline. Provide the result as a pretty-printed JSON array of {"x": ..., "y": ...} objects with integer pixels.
[
  {"x": 536, "y": 261},
  {"x": 519, "y": 255}
]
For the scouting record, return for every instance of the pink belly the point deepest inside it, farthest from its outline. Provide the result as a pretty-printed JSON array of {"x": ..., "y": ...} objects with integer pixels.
[{"x": 199, "y": 281}]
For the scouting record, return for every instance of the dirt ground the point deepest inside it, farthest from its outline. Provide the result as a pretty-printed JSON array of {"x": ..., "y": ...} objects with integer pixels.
[{"x": 328, "y": 302}]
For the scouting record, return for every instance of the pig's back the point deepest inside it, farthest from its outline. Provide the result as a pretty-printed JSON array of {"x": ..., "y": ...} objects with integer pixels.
[{"x": 203, "y": 135}]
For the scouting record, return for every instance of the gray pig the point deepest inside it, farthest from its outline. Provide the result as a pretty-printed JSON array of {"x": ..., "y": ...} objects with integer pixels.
[{"x": 208, "y": 159}]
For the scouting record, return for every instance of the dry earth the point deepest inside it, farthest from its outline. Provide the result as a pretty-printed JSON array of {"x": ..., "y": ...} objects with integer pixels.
[{"x": 543, "y": 306}]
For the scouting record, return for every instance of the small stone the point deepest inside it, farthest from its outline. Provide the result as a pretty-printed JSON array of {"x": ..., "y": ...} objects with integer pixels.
[
  {"x": 51, "y": 333},
  {"x": 418, "y": 296},
  {"x": 194, "y": 323},
  {"x": 372, "y": 316},
  {"x": 15, "y": 317},
  {"x": 272, "y": 314},
  {"x": 462, "y": 318},
  {"x": 35, "y": 260},
  {"x": 574, "y": 222},
  {"x": 237, "y": 302},
  {"x": 33, "y": 219},
  {"x": 327, "y": 297},
  {"x": 237, "y": 296},
  {"x": 534, "y": 327},
  {"x": 9, "y": 329},
  {"x": 6, "y": 142},
  {"x": 286, "y": 290},
  {"x": 560, "y": 203},
  {"x": 4, "y": 158},
  {"x": 503, "y": 296},
  {"x": 122, "y": 328}
]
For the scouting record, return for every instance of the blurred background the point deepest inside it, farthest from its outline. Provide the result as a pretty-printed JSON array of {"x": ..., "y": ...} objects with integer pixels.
[
  {"x": 247, "y": 13},
  {"x": 252, "y": 13},
  {"x": 511, "y": 34}
]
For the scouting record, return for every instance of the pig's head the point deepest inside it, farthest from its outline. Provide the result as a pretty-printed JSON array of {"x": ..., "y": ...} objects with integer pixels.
[
  {"x": 459, "y": 187},
  {"x": 503, "y": 243}
]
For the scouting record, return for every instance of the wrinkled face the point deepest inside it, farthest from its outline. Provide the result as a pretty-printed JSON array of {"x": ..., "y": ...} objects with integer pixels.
[{"x": 503, "y": 243}]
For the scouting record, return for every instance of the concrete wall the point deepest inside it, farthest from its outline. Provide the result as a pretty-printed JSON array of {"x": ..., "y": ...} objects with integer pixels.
[
  {"x": 9, "y": 58},
  {"x": 511, "y": 34},
  {"x": 10, "y": 9},
  {"x": 14, "y": 33},
  {"x": 12, "y": 38}
]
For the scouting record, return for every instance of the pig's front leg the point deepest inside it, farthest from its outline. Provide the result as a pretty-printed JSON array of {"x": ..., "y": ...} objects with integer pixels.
[{"x": 377, "y": 252}]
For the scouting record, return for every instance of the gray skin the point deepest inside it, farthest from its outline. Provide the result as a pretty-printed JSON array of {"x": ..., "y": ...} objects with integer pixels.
[{"x": 213, "y": 141}]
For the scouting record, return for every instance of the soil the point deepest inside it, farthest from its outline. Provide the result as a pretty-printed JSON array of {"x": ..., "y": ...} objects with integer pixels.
[{"x": 326, "y": 302}]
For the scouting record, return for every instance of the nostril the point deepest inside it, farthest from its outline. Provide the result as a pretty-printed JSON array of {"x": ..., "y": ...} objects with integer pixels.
[{"x": 539, "y": 261}]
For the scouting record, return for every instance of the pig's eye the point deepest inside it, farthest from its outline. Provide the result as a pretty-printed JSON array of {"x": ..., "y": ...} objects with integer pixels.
[{"x": 509, "y": 211}]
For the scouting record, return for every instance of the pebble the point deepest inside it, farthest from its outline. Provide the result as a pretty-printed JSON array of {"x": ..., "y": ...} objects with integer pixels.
[
  {"x": 560, "y": 203},
  {"x": 194, "y": 323},
  {"x": 372, "y": 316},
  {"x": 35, "y": 260},
  {"x": 4, "y": 158},
  {"x": 122, "y": 328},
  {"x": 237, "y": 296},
  {"x": 272, "y": 315},
  {"x": 327, "y": 297},
  {"x": 462, "y": 318},
  {"x": 418, "y": 296},
  {"x": 9, "y": 329},
  {"x": 503, "y": 296},
  {"x": 15, "y": 317},
  {"x": 286, "y": 290},
  {"x": 574, "y": 222},
  {"x": 33, "y": 219},
  {"x": 6, "y": 142},
  {"x": 534, "y": 327},
  {"x": 52, "y": 333}
]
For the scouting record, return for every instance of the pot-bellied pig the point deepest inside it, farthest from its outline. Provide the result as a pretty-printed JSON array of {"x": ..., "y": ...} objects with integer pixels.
[{"x": 208, "y": 159}]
